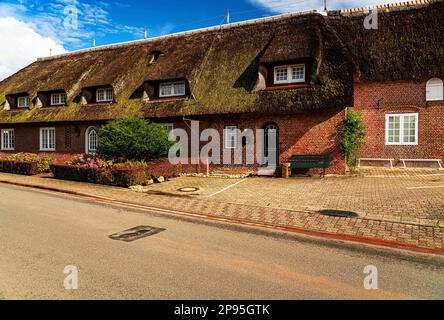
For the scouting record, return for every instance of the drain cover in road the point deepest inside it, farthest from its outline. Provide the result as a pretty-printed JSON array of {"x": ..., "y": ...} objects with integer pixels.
[
  {"x": 339, "y": 213},
  {"x": 188, "y": 189},
  {"x": 136, "y": 233}
]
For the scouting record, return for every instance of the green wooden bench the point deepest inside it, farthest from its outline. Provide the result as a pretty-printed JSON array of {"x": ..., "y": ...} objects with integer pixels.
[{"x": 310, "y": 161}]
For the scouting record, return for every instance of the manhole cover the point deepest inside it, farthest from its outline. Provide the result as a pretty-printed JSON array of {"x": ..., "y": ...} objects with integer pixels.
[
  {"x": 136, "y": 233},
  {"x": 339, "y": 213},
  {"x": 188, "y": 189}
]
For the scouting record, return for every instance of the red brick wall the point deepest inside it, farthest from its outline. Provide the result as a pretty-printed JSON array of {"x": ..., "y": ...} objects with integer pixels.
[
  {"x": 375, "y": 100},
  {"x": 70, "y": 139},
  {"x": 315, "y": 132}
]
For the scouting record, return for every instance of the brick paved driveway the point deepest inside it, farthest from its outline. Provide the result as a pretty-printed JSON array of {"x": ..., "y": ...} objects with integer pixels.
[{"x": 416, "y": 198}]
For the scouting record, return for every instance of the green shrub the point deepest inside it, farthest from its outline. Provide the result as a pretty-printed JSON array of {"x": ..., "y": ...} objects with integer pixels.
[
  {"x": 353, "y": 136},
  {"x": 133, "y": 139},
  {"x": 44, "y": 164}
]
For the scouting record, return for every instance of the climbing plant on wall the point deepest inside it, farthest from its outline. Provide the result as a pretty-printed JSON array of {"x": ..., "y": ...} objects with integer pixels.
[{"x": 353, "y": 136}]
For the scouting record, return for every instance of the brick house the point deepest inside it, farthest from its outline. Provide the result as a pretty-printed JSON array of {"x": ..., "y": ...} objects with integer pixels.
[{"x": 295, "y": 73}]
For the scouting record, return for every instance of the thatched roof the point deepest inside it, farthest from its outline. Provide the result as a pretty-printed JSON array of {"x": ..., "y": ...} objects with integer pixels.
[
  {"x": 222, "y": 63},
  {"x": 408, "y": 44}
]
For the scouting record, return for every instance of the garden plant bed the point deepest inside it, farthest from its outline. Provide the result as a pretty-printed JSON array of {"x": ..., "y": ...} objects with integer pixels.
[
  {"x": 19, "y": 167},
  {"x": 115, "y": 172}
]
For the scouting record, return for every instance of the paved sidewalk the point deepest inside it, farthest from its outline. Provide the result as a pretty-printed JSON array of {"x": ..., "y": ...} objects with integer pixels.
[
  {"x": 409, "y": 199},
  {"x": 395, "y": 234}
]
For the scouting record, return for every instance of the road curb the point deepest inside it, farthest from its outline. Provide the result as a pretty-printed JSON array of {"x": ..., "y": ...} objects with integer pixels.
[
  {"x": 313, "y": 233},
  {"x": 58, "y": 190}
]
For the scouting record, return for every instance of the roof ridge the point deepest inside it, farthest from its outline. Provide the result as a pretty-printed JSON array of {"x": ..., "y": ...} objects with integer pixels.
[
  {"x": 396, "y": 5},
  {"x": 183, "y": 33}
]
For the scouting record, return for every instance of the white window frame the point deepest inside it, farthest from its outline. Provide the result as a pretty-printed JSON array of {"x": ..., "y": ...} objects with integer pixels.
[
  {"x": 435, "y": 90},
  {"x": 173, "y": 93},
  {"x": 42, "y": 130},
  {"x": 229, "y": 133},
  {"x": 60, "y": 99},
  {"x": 289, "y": 74},
  {"x": 108, "y": 94},
  {"x": 9, "y": 147},
  {"x": 401, "y": 129},
  {"x": 87, "y": 141},
  {"x": 27, "y": 99}
]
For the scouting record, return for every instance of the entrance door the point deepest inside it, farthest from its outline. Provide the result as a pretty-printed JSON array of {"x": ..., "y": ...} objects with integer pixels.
[{"x": 271, "y": 145}]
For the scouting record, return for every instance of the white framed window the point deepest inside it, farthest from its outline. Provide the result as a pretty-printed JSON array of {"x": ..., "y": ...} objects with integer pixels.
[
  {"x": 104, "y": 95},
  {"x": 401, "y": 129},
  {"x": 230, "y": 137},
  {"x": 23, "y": 102},
  {"x": 58, "y": 99},
  {"x": 92, "y": 140},
  {"x": 289, "y": 74},
  {"x": 172, "y": 89},
  {"x": 47, "y": 139},
  {"x": 8, "y": 138},
  {"x": 435, "y": 90}
]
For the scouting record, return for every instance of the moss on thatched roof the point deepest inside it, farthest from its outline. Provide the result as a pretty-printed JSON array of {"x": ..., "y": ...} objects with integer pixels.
[
  {"x": 407, "y": 45},
  {"x": 222, "y": 66}
]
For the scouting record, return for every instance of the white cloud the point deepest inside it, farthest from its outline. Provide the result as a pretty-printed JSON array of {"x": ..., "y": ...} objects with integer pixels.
[
  {"x": 282, "y": 6},
  {"x": 73, "y": 22},
  {"x": 22, "y": 45}
]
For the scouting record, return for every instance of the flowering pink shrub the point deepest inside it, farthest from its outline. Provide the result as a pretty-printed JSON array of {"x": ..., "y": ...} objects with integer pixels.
[{"x": 91, "y": 161}]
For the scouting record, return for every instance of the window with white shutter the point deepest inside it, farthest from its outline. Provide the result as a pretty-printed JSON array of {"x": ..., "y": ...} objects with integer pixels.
[{"x": 435, "y": 90}]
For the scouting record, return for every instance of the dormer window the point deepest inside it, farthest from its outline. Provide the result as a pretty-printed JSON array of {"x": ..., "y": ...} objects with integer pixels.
[
  {"x": 105, "y": 95},
  {"x": 23, "y": 102},
  {"x": 172, "y": 89},
  {"x": 289, "y": 74},
  {"x": 58, "y": 99}
]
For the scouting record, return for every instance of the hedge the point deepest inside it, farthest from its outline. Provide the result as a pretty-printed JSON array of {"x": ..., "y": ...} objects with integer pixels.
[
  {"x": 124, "y": 176},
  {"x": 18, "y": 167},
  {"x": 113, "y": 177}
]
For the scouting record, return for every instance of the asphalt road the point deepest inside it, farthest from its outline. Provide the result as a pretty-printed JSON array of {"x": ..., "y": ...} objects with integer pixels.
[{"x": 41, "y": 233}]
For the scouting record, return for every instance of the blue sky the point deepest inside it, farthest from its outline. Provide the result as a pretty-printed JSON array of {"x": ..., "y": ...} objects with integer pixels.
[
  {"x": 119, "y": 20},
  {"x": 37, "y": 27}
]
